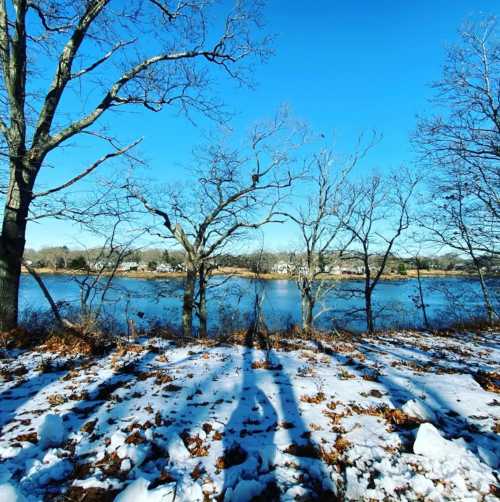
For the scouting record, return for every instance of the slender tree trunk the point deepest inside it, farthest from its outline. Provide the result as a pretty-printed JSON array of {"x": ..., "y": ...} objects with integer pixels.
[
  {"x": 490, "y": 311},
  {"x": 12, "y": 242},
  {"x": 46, "y": 294},
  {"x": 307, "y": 309},
  {"x": 368, "y": 294},
  {"x": 202, "y": 314},
  {"x": 61, "y": 321},
  {"x": 421, "y": 295},
  {"x": 369, "y": 310},
  {"x": 188, "y": 301}
]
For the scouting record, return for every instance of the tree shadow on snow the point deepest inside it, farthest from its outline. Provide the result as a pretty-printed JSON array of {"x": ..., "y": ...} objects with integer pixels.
[
  {"x": 250, "y": 449},
  {"x": 82, "y": 410},
  {"x": 410, "y": 385}
]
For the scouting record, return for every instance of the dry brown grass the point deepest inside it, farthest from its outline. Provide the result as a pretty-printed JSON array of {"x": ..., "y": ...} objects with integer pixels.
[
  {"x": 70, "y": 344},
  {"x": 56, "y": 399},
  {"x": 232, "y": 456},
  {"x": 195, "y": 445},
  {"x": 30, "y": 437},
  {"x": 266, "y": 365},
  {"x": 89, "y": 426},
  {"x": 308, "y": 449},
  {"x": 489, "y": 381},
  {"x": 79, "y": 494},
  {"x": 316, "y": 399}
]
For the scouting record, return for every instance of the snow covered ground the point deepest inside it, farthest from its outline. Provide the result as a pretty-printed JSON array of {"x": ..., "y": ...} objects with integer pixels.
[{"x": 396, "y": 417}]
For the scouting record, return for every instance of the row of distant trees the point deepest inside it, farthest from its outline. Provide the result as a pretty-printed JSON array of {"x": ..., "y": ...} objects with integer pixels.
[
  {"x": 265, "y": 262},
  {"x": 65, "y": 258},
  {"x": 96, "y": 52}
]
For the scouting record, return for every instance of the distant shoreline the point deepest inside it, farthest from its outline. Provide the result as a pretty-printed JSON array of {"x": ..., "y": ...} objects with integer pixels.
[{"x": 238, "y": 272}]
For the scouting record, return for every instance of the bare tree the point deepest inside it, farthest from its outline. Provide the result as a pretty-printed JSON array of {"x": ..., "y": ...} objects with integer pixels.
[
  {"x": 96, "y": 280},
  {"x": 461, "y": 145},
  {"x": 452, "y": 223},
  {"x": 234, "y": 191},
  {"x": 375, "y": 212},
  {"x": 151, "y": 55},
  {"x": 414, "y": 249},
  {"x": 462, "y": 142},
  {"x": 465, "y": 137},
  {"x": 105, "y": 216},
  {"x": 320, "y": 227}
]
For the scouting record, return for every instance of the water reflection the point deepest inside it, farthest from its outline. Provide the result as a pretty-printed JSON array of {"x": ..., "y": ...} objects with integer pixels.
[{"x": 448, "y": 300}]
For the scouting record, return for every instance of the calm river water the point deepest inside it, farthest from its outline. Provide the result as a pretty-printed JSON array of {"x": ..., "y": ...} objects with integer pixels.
[{"x": 230, "y": 304}]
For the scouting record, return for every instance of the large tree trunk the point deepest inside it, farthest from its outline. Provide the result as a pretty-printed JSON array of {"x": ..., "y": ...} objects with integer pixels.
[
  {"x": 10, "y": 273},
  {"x": 12, "y": 242},
  {"x": 188, "y": 302}
]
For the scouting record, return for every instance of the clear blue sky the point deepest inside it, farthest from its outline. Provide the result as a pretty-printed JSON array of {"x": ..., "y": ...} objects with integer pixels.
[{"x": 343, "y": 66}]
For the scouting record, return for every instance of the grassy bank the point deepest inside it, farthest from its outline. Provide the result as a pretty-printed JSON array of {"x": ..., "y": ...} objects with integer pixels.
[{"x": 241, "y": 272}]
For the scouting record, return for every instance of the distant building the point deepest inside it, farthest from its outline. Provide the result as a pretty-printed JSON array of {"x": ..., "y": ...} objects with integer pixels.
[
  {"x": 128, "y": 266},
  {"x": 333, "y": 269},
  {"x": 304, "y": 270},
  {"x": 164, "y": 267},
  {"x": 101, "y": 265},
  {"x": 352, "y": 270},
  {"x": 283, "y": 268}
]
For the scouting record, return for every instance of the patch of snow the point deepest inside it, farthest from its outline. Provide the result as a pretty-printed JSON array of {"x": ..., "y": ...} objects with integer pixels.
[
  {"x": 93, "y": 482},
  {"x": 422, "y": 485},
  {"x": 418, "y": 409},
  {"x": 177, "y": 451},
  {"x": 430, "y": 443},
  {"x": 264, "y": 413},
  {"x": 136, "y": 453},
  {"x": 9, "y": 493},
  {"x": 9, "y": 451},
  {"x": 126, "y": 465},
  {"x": 355, "y": 486},
  {"x": 189, "y": 491},
  {"x": 137, "y": 491},
  {"x": 244, "y": 491},
  {"x": 51, "y": 431},
  {"x": 488, "y": 457},
  {"x": 117, "y": 439},
  {"x": 295, "y": 493}
]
